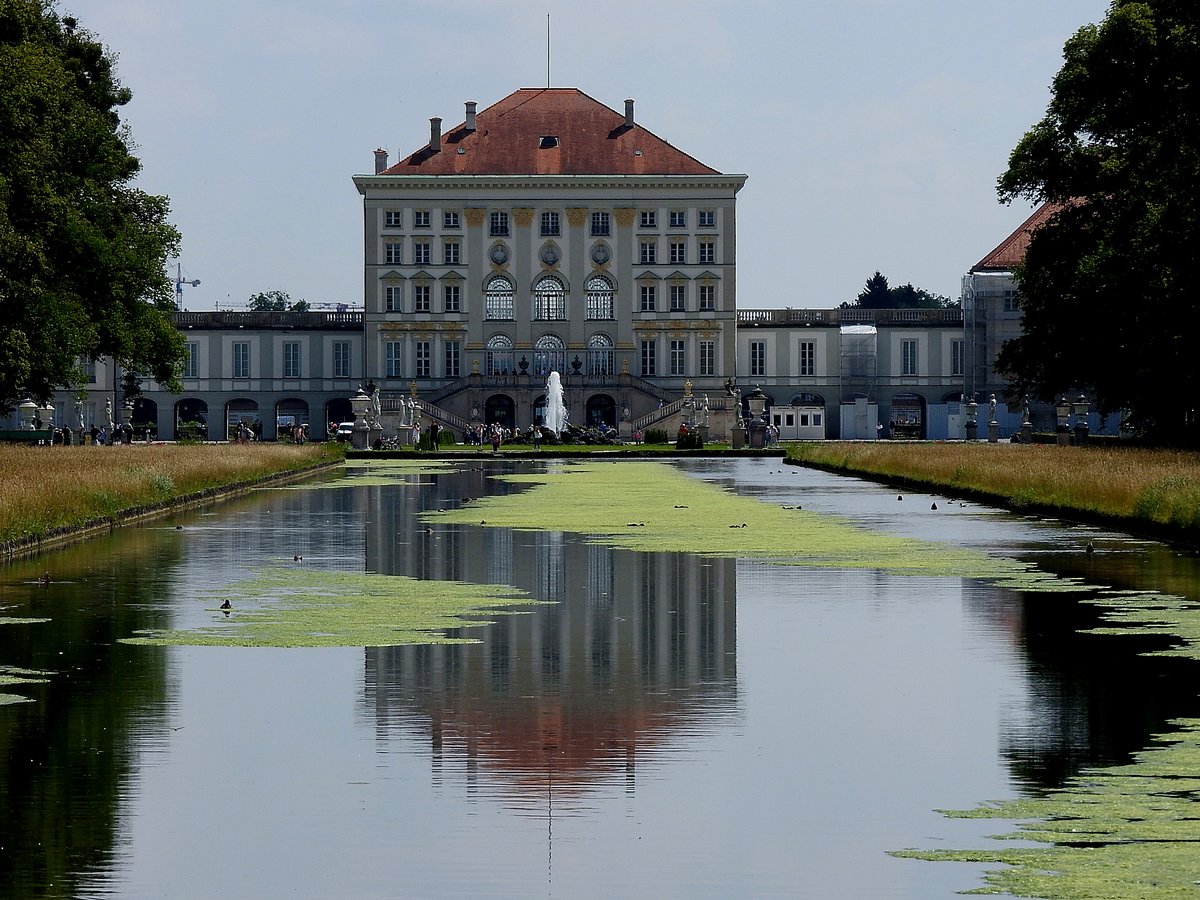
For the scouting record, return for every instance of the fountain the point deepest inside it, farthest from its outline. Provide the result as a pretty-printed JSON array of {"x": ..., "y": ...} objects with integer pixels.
[{"x": 556, "y": 412}]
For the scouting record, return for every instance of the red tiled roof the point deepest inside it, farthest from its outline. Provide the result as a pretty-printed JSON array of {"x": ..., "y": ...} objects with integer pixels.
[
  {"x": 591, "y": 140},
  {"x": 1012, "y": 249}
]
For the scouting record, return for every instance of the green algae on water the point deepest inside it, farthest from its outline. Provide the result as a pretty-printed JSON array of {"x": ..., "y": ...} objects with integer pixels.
[
  {"x": 311, "y": 608},
  {"x": 652, "y": 507},
  {"x": 379, "y": 473},
  {"x": 1121, "y": 832}
]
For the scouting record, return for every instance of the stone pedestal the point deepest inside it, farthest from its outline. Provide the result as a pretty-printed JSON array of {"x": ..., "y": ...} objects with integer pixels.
[
  {"x": 972, "y": 431},
  {"x": 738, "y": 437},
  {"x": 360, "y": 436},
  {"x": 993, "y": 432},
  {"x": 1026, "y": 433}
]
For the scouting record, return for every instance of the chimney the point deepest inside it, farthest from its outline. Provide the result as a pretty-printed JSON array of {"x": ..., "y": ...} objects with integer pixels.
[
  {"x": 435, "y": 134},
  {"x": 628, "y": 113},
  {"x": 380, "y": 160},
  {"x": 470, "y": 126}
]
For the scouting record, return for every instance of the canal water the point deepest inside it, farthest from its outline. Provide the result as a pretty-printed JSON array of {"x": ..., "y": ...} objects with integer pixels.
[{"x": 670, "y": 726}]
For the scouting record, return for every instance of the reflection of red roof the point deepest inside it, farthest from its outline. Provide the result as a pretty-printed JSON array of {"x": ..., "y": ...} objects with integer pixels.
[
  {"x": 1012, "y": 249},
  {"x": 550, "y": 131},
  {"x": 538, "y": 741}
]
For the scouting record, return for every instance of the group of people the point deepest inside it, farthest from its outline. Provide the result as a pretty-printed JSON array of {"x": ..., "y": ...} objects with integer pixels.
[{"x": 65, "y": 437}]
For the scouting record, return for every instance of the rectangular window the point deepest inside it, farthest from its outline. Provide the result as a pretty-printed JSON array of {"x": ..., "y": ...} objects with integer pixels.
[
  {"x": 600, "y": 305},
  {"x": 649, "y": 298},
  {"x": 648, "y": 358},
  {"x": 89, "y": 370},
  {"x": 958, "y": 361},
  {"x": 678, "y": 252},
  {"x": 421, "y": 294},
  {"x": 392, "y": 358},
  {"x": 393, "y": 253},
  {"x": 291, "y": 359},
  {"x": 550, "y": 224},
  {"x": 450, "y": 219},
  {"x": 708, "y": 296},
  {"x": 678, "y": 218},
  {"x": 678, "y": 298},
  {"x": 341, "y": 359},
  {"x": 452, "y": 295},
  {"x": 648, "y": 253},
  {"x": 499, "y": 306},
  {"x": 393, "y": 298},
  {"x": 423, "y": 353},
  {"x": 420, "y": 218},
  {"x": 708, "y": 357},
  {"x": 649, "y": 218},
  {"x": 450, "y": 253},
  {"x": 908, "y": 354},
  {"x": 549, "y": 305},
  {"x": 816, "y": 420},
  {"x": 808, "y": 356},
  {"x": 708, "y": 251},
  {"x": 191, "y": 368},
  {"x": 758, "y": 359},
  {"x": 453, "y": 359},
  {"x": 1011, "y": 302},
  {"x": 241, "y": 359},
  {"x": 678, "y": 358},
  {"x": 421, "y": 253},
  {"x": 393, "y": 218},
  {"x": 706, "y": 218},
  {"x": 600, "y": 224},
  {"x": 498, "y": 224}
]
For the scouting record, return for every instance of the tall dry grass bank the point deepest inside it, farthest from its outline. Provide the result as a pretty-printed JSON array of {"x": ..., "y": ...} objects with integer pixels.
[
  {"x": 1158, "y": 488},
  {"x": 44, "y": 489}
]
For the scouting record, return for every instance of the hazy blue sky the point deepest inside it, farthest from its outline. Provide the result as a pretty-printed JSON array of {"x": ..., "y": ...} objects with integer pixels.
[{"x": 872, "y": 131}]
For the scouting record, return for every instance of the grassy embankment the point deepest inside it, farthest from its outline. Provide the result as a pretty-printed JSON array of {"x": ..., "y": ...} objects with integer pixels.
[
  {"x": 1156, "y": 491},
  {"x": 49, "y": 490}
]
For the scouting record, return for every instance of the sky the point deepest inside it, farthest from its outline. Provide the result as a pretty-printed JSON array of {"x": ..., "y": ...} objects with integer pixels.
[{"x": 872, "y": 132}]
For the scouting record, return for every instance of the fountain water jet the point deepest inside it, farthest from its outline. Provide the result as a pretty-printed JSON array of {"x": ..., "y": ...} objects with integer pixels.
[{"x": 556, "y": 412}]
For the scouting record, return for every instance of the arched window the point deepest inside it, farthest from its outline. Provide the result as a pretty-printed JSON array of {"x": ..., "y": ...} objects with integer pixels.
[
  {"x": 549, "y": 300},
  {"x": 600, "y": 355},
  {"x": 599, "y": 298},
  {"x": 498, "y": 299},
  {"x": 549, "y": 355},
  {"x": 499, "y": 355}
]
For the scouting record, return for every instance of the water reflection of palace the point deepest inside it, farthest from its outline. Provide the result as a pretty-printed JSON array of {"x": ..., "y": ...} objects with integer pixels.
[{"x": 635, "y": 650}]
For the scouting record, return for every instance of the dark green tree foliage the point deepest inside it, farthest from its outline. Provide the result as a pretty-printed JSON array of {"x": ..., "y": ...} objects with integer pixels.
[
  {"x": 82, "y": 253},
  {"x": 1107, "y": 285},
  {"x": 876, "y": 294},
  {"x": 276, "y": 301}
]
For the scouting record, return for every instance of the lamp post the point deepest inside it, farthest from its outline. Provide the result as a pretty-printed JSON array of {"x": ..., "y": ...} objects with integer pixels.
[
  {"x": 1062, "y": 411},
  {"x": 1080, "y": 409}
]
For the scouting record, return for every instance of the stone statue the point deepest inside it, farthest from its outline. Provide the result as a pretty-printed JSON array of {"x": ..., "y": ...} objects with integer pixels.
[
  {"x": 108, "y": 413},
  {"x": 704, "y": 407},
  {"x": 1025, "y": 410},
  {"x": 992, "y": 409},
  {"x": 376, "y": 407}
]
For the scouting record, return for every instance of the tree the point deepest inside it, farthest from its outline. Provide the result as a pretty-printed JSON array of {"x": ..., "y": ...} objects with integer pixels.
[
  {"x": 276, "y": 301},
  {"x": 1106, "y": 285},
  {"x": 877, "y": 295},
  {"x": 82, "y": 253}
]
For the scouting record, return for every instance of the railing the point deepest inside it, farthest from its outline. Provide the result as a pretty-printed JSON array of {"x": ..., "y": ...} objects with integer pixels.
[
  {"x": 272, "y": 319},
  {"x": 851, "y": 316},
  {"x": 722, "y": 403}
]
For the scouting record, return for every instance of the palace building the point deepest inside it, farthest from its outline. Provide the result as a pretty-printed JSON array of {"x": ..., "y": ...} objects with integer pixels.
[{"x": 550, "y": 233}]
